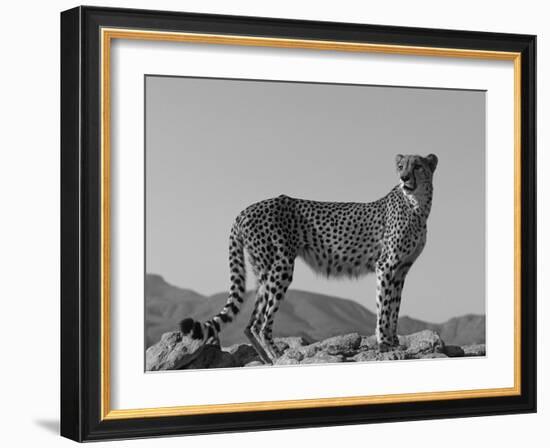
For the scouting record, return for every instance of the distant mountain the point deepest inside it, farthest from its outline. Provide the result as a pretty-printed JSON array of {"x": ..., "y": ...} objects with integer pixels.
[
  {"x": 464, "y": 330},
  {"x": 310, "y": 315}
]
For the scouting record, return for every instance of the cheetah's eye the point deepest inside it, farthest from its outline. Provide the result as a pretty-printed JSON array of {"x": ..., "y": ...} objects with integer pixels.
[{"x": 399, "y": 167}]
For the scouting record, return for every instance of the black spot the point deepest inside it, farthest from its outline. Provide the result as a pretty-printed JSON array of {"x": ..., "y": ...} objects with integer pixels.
[
  {"x": 197, "y": 331},
  {"x": 216, "y": 324},
  {"x": 210, "y": 332},
  {"x": 186, "y": 325}
]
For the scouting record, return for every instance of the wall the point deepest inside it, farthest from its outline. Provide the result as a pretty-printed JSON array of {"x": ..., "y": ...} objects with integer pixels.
[{"x": 29, "y": 228}]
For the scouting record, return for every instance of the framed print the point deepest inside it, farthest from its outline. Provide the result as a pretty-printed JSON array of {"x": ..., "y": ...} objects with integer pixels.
[{"x": 272, "y": 223}]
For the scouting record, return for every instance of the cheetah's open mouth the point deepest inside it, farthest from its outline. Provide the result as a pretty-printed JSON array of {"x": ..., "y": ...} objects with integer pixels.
[{"x": 409, "y": 187}]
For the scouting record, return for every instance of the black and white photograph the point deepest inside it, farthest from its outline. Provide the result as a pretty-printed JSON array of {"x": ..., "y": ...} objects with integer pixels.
[
  {"x": 296, "y": 223},
  {"x": 294, "y": 220}
]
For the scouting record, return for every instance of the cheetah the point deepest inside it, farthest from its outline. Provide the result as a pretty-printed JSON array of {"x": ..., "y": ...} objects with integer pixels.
[{"x": 335, "y": 239}]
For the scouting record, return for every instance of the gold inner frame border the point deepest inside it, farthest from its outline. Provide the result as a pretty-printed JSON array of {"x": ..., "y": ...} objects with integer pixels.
[{"x": 107, "y": 35}]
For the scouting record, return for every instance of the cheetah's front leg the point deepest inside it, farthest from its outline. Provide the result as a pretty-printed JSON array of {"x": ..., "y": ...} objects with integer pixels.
[
  {"x": 384, "y": 293},
  {"x": 395, "y": 301}
]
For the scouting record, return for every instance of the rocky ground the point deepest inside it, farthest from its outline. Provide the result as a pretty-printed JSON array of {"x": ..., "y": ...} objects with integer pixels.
[{"x": 173, "y": 351}]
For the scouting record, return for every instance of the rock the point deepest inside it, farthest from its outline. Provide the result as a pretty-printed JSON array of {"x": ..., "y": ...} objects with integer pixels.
[
  {"x": 233, "y": 348},
  {"x": 290, "y": 342},
  {"x": 175, "y": 351},
  {"x": 402, "y": 340},
  {"x": 373, "y": 355},
  {"x": 290, "y": 357},
  {"x": 434, "y": 355},
  {"x": 474, "y": 350},
  {"x": 391, "y": 355},
  {"x": 244, "y": 354},
  {"x": 323, "y": 358},
  {"x": 426, "y": 341},
  {"x": 294, "y": 354},
  {"x": 286, "y": 360},
  {"x": 310, "y": 350},
  {"x": 254, "y": 364},
  {"x": 172, "y": 352},
  {"x": 347, "y": 343},
  {"x": 212, "y": 357},
  {"x": 453, "y": 351},
  {"x": 368, "y": 343},
  {"x": 367, "y": 355}
]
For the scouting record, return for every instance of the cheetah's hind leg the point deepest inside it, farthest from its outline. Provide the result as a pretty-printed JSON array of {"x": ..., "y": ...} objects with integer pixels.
[
  {"x": 255, "y": 341},
  {"x": 279, "y": 280},
  {"x": 251, "y": 331}
]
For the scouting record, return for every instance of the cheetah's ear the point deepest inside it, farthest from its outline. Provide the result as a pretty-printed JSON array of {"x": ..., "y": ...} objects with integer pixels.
[
  {"x": 398, "y": 158},
  {"x": 432, "y": 160}
]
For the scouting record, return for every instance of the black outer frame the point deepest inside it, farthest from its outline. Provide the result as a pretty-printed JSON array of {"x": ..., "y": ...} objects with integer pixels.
[{"x": 80, "y": 223}]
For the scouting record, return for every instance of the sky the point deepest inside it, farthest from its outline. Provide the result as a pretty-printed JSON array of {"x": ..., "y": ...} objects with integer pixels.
[{"x": 215, "y": 146}]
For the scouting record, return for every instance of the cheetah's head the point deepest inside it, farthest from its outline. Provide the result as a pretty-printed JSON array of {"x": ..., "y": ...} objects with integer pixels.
[{"x": 415, "y": 172}]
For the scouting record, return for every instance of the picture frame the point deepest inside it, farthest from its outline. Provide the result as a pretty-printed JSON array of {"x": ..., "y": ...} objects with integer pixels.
[{"x": 87, "y": 35}]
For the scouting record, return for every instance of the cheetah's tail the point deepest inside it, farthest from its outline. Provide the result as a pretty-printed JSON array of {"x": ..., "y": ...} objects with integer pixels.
[{"x": 210, "y": 329}]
